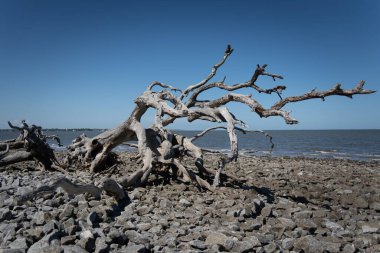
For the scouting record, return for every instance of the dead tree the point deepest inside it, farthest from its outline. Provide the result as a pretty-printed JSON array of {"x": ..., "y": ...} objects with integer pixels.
[
  {"x": 31, "y": 144},
  {"x": 157, "y": 146}
]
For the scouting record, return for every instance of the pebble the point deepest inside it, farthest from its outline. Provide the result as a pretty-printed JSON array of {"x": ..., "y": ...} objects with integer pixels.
[{"x": 282, "y": 212}]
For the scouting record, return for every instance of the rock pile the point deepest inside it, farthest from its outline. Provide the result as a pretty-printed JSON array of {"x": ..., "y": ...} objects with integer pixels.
[{"x": 287, "y": 205}]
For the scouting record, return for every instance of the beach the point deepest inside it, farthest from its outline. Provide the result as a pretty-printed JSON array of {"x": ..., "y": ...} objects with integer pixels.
[{"x": 287, "y": 204}]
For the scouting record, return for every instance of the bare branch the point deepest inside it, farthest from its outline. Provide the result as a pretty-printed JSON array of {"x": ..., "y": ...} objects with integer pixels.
[
  {"x": 155, "y": 83},
  {"x": 214, "y": 69},
  {"x": 336, "y": 90}
]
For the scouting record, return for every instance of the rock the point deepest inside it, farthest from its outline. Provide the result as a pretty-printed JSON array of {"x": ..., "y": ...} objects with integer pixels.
[
  {"x": 12, "y": 251},
  {"x": 266, "y": 211},
  {"x": 214, "y": 238},
  {"x": 197, "y": 244},
  {"x": 253, "y": 241},
  {"x": 374, "y": 249},
  {"x": 101, "y": 246},
  {"x": 115, "y": 236},
  {"x": 33, "y": 234},
  {"x": 143, "y": 210},
  {"x": 87, "y": 240},
  {"x": 41, "y": 217},
  {"x": 348, "y": 248},
  {"x": 364, "y": 241},
  {"x": 370, "y": 228},
  {"x": 310, "y": 244},
  {"x": 67, "y": 212},
  {"x": 270, "y": 248},
  {"x": 144, "y": 226},
  {"x": 73, "y": 249},
  {"x": 5, "y": 214},
  {"x": 333, "y": 226},
  {"x": 45, "y": 243},
  {"x": 136, "y": 248},
  {"x": 303, "y": 214},
  {"x": 242, "y": 246},
  {"x": 185, "y": 202},
  {"x": 375, "y": 206},
  {"x": 50, "y": 226},
  {"x": 287, "y": 243},
  {"x": 360, "y": 202},
  {"x": 19, "y": 243},
  {"x": 286, "y": 223},
  {"x": 92, "y": 218},
  {"x": 250, "y": 225},
  {"x": 3, "y": 197},
  {"x": 67, "y": 240},
  {"x": 307, "y": 224}
]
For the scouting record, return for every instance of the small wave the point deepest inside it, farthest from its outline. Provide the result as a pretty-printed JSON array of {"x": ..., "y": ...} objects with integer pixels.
[{"x": 326, "y": 151}]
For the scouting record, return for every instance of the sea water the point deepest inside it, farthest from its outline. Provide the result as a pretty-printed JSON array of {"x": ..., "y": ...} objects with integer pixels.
[{"x": 341, "y": 144}]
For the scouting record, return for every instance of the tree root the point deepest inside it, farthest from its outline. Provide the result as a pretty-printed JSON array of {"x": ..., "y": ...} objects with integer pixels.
[{"x": 109, "y": 186}]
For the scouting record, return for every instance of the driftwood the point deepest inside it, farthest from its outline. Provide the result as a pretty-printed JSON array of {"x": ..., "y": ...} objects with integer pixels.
[
  {"x": 159, "y": 147},
  {"x": 109, "y": 186},
  {"x": 31, "y": 144}
]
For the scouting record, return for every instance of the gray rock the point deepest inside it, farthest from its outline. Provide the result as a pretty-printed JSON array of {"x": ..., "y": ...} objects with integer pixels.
[
  {"x": 310, "y": 244},
  {"x": 73, "y": 249},
  {"x": 287, "y": 243},
  {"x": 135, "y": 248},
  {"x": 143, "y": 210},
  {"x": 41, "y": 217},
  {"x": 67, "y": 212},
  {"x": 46, "y": 243},
  {"x": 266, "y": 211},
  {"x": 375, "y": 206},
  {"x": 5, "y": 214},
  {"x": 360, "y": 202},
  {"x": 101, "y": 246},
  {"x": 253, "y": 241},
  {"x": 115, "y": 236},
  {"x": 270, "y": 248},
  {"x": 242, "y": 247},
  {"x": 348, "y": 248},
  {"x": 364, "y": 241},
  {"x": 144, "y": 226},
  {"x": 370, "y": 228},
  {"x": 19, "y": 243},
  {"x": 67, "y": 240},
  {"x": 303, "y": 214},
  {"x": 333, "y": 226},
  {"x": 3, "y": 197},
  {"x": 92, "y": 218},
  {"x": 215, "y": 238},
  {"x": 197, "y": 244},
  {"x": 286, "y": 223},
  {"x": 12, "y": 251},
  {"x": 307, "y": 224},
  {"x": 33, "y": 234},
  {"x": 185, "y": 202},
  {"x": 50, "y": 226}
]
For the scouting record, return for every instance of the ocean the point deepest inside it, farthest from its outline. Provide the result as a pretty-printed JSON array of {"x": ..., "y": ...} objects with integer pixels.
[{"x": 340, "y": 144}]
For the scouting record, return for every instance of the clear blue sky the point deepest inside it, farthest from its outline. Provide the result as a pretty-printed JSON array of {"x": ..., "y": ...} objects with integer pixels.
[{"x": 76, "y": 63}]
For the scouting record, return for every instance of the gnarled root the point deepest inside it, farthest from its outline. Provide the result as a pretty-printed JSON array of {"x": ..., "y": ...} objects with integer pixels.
[{"x": 109, "y": 186}]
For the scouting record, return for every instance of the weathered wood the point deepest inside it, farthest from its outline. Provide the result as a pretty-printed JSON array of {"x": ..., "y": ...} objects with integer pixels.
[{"x": 157, "y": 146}]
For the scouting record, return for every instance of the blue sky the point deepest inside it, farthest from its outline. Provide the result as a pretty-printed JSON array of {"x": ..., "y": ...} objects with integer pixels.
[{"x": 71, "y": 64}]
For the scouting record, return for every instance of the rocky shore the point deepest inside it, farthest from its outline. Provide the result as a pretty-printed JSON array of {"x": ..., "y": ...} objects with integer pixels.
[{"x": 286, "y": 205}]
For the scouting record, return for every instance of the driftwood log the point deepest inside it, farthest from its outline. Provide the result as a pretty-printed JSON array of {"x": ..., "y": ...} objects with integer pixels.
[
  {"x": 31, "y": 144},
  {"x": 159, "y": 147}
]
